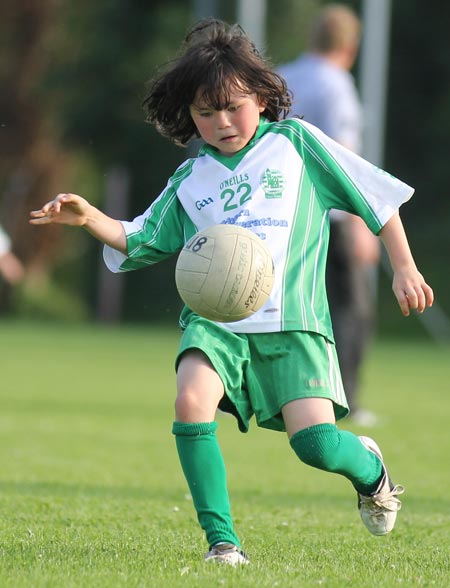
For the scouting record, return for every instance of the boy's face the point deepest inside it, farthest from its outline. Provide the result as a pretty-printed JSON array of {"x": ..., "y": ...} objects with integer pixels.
[{"x": 231, "y": 129}]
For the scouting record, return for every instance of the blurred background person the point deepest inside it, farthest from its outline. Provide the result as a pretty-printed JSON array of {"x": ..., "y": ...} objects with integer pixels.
[
  {"x": 11, "y": 268},
  {"x": 325, "y": 94}
]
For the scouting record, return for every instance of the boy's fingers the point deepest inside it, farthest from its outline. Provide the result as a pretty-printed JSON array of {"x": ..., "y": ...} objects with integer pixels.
[
  {"x": 44, "y": 220},
  {"x": 429, "y": 294},
  {"x": 403, "y": 303},
  {"x": 419, "y": 300}
]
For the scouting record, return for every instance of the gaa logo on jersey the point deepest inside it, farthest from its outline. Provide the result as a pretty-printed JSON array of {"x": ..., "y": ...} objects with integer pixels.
[{"x": 273, "y": 183}]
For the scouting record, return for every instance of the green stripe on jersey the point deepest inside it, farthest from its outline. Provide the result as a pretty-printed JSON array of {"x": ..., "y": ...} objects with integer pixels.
[
  {"x": 165, "y": 226},
  {"x": 326, "y": 172}
]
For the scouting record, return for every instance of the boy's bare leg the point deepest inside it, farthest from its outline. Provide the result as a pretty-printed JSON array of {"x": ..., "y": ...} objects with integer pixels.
[
  {"x": 306, "y": 412},
  {"x": 199, "y": 389}
]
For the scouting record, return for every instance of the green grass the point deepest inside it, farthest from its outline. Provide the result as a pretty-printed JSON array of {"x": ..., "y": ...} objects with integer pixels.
[{"x": 91, "y": 493}]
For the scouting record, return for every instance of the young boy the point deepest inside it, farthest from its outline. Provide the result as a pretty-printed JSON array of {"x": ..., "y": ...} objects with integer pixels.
[{"x": 279, "y": 179}]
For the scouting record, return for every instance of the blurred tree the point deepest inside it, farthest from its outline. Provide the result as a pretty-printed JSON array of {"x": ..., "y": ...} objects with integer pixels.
[
  {"x": 31, "y": 161},
  {"x": 101, "y": 55}
]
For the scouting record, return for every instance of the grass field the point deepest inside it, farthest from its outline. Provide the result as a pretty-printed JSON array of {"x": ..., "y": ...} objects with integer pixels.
[{"x": 91, "y": 493}]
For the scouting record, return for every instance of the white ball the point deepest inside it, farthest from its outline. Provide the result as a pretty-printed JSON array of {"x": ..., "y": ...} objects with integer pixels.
[{"x": 225, "y": 273}]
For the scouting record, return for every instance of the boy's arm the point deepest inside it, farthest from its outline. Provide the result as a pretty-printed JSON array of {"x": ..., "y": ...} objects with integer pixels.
[
  {"x": 70, "y": 209},
  {"x": 408, "y": 285}
]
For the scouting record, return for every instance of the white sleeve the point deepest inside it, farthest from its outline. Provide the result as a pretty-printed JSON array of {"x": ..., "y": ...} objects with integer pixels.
[
  {"x": 375, "y": 195},
  {"x": 114, "y": 259}
]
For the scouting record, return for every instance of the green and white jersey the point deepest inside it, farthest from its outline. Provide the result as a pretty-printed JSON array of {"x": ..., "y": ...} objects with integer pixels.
[{"x": 281, "y": 186}]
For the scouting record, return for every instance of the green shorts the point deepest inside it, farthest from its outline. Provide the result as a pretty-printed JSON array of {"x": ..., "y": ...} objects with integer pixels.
[{"x": 262, "y": 372}]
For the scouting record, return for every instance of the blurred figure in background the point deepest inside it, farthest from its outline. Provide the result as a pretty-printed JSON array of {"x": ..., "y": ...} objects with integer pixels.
[
  {"x": 11, "y": 268},
  {"x": 324, "y": 94}
]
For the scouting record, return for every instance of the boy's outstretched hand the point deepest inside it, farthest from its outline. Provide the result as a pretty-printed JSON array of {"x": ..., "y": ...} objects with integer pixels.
[
  {"x": 66, "y": 209},
  {"x": 70, "y": 209}
]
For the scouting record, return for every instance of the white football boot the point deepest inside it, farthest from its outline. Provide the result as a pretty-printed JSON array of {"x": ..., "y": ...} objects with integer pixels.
[
  {"x": 227, "y": 553},
  {"x": 379, "y": 510}
]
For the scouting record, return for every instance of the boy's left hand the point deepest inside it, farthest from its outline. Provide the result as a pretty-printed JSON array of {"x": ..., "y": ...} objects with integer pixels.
[{"x": 411, "y": 291}]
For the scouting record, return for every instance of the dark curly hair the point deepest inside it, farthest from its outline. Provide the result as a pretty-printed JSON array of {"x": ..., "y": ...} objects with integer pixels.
[{"x": 216, "y": 58}]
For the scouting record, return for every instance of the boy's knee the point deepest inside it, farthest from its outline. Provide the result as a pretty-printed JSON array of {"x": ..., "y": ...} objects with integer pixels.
[
  {"x": 317, "y": 446},
  {"x": 186, "y": 406},
  {"x": 191, "y": 406}
]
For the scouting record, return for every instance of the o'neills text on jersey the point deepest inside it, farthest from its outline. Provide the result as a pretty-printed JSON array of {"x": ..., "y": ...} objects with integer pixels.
[{"x": 234, "y": 181}]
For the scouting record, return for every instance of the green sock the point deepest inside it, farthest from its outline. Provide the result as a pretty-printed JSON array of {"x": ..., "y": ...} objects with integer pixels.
[
  {"x": 204, "y": 469},
  {"x": 325, "y": 447}
]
